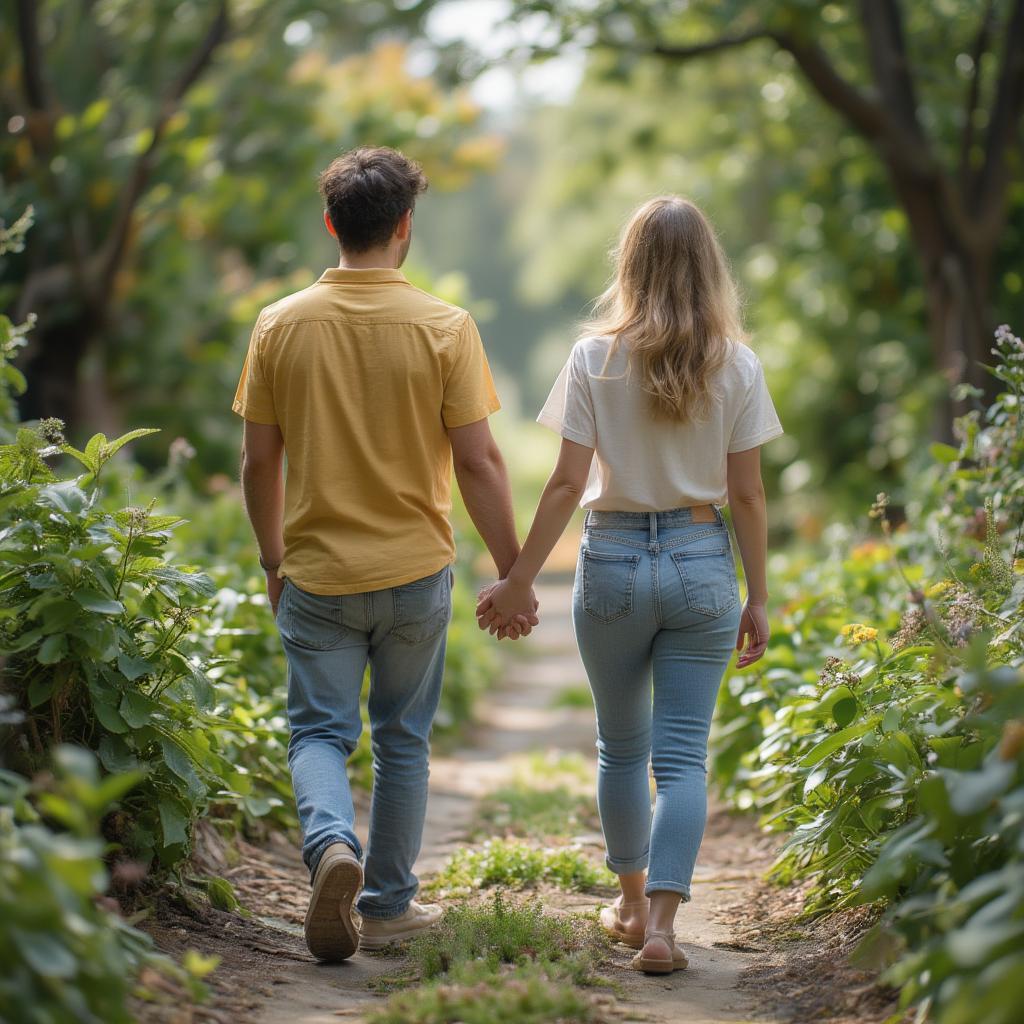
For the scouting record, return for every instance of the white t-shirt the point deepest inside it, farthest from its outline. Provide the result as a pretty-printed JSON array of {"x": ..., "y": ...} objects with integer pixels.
[{"x": 644, "y": 464}]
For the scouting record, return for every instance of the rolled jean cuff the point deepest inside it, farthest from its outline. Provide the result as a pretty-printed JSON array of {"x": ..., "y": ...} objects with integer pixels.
[
  {"x": 627, "y": 867},
  {"x": 383, "y": 915},
  {"x": 652, "y": 887}
]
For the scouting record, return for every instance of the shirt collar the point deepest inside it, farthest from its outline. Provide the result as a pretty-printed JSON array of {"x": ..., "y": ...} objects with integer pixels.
[{"x": 372, "y": 275}]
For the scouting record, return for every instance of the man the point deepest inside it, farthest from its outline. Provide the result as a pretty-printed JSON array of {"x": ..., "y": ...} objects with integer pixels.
[{"x": 373, "y": 389}]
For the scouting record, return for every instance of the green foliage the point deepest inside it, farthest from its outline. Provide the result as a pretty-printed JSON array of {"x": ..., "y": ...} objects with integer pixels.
[
  {"x": 95, "y": 626},
  {"x": 515, "y": 864},
  {"x": 892, "y": 746},
  {"x": 66, "y": 958},
  {"x": 12, "y": 336}
]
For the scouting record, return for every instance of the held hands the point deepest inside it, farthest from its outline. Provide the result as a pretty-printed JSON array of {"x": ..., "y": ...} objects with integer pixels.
[
  {"x": 507, "y": 610},
  {"x": 754, "y": 632}
]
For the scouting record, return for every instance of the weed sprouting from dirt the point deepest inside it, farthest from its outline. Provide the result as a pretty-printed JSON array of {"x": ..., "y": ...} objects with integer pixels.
[
  {"x": 503, "y": 962},
  {"x": 528, "y": 994},
  {"x": 514, "y": 864},
  {"x": 523, "y": 809}
]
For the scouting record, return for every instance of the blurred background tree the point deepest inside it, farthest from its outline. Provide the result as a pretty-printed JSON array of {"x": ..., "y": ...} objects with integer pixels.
[
  {"x": 170, "y": 151},
  {"x": 934, "y": 90},
  {"x": 862, "y": 162}
]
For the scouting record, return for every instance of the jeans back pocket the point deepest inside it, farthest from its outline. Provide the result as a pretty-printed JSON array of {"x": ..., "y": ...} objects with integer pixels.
[
  {"x": 608, "y": 580},
  {"x": 309, "y": 620},
  {"x": 708, "y": 574},
  {"x": 423, "y": 607}
]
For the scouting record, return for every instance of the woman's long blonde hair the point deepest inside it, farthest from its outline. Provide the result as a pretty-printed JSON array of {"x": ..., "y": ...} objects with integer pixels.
[{"x": 672, "y": 304}]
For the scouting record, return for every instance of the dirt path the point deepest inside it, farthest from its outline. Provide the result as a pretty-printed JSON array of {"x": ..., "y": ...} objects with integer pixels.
[{"x": 517, "y": 717}]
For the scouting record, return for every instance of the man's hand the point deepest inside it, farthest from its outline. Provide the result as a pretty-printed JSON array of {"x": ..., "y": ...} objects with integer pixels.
[
  {"x": 752, "y": 639},
  {"x": 274, "y": 587},
  {"x": 507, "y": 610}
]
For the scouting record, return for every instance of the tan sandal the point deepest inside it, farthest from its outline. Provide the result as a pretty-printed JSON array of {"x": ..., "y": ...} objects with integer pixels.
[
  {"x": 612, "y": 923},
  {"x": 656, "y": 965}
]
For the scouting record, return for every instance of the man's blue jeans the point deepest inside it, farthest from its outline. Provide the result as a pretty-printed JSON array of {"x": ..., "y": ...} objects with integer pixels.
[
  {"x": 329, "y": 641},
  {"x": 656, "y": 605}
]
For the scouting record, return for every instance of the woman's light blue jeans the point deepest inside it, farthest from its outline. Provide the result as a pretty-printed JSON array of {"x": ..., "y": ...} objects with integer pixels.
[
  {"x": 328, "y": 642},
  {"x": 655, "y": 606}
]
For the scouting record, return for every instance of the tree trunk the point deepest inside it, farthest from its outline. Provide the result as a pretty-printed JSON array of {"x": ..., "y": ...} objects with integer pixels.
[
  {"x": 957, "y": 285},
  {"x": 52, "y": 367}
]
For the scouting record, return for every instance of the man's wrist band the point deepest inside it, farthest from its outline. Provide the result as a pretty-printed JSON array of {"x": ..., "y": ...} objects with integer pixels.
[{"x": 268, "y": 568}]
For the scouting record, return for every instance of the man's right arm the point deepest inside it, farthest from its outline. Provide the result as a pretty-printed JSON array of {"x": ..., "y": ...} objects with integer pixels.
[{"x": 483, "y": 480}]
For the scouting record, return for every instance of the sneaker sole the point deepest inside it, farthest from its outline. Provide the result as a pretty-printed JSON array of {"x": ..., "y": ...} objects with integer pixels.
[{"x": 330, "y": 934}]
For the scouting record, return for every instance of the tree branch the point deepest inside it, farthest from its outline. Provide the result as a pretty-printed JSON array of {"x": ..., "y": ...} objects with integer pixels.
[
  {"x": 726, "y": 42},
  {"x": 862, "y": 111},
  {"x": 115, "y": 246},
  {"x": 989, "y": 194}
]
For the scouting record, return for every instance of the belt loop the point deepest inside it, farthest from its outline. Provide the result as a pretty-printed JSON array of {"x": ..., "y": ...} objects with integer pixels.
[{"x": 654, "y": 527}]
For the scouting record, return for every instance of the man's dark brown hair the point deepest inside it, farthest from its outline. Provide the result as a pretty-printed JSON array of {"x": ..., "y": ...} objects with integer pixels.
[{"x": 366, "y": 191}]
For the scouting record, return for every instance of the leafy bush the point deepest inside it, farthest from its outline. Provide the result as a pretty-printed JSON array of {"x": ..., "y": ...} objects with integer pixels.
[
  {"x": 65, "y": 957},
  {"x": 885, "y": 728},
  {"x": 95, "y": 625}
]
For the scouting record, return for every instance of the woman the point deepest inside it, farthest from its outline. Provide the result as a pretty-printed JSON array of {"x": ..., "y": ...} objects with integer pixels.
[{"x": 675, "y": 409}]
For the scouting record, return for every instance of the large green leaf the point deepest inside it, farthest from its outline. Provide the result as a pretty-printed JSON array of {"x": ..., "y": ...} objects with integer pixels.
[
  {"x": 174, "y": 821},
  {"x": 836, "y": 741},
  {"x": 94, "y": 601},
  {"x": 137, "y": 709}
]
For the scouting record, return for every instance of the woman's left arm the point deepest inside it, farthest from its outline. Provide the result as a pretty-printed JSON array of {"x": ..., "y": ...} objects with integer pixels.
[{"x": 513, "y": 595}]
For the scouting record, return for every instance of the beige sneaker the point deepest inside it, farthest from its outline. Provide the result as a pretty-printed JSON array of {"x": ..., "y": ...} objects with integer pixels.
[
  {"x": 374, "y": 934},
  {"x": 331, "y": 934}
]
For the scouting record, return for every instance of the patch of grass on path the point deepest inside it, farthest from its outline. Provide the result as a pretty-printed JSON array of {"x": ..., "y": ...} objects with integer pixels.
[
  {"x": 573, "y": 697},
  {"x": 552, "y": 768},
  {"x": 514, "y": 864},
  {"x": 504, "y": 932},
  {"x": 521, "y": 995},
  {"x": 504, "y": 963},
  {"x": 523, "y": 809}
]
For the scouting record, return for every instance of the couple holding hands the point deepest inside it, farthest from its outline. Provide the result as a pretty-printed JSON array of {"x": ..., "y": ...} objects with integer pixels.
[{"x": 371, "y": 391}]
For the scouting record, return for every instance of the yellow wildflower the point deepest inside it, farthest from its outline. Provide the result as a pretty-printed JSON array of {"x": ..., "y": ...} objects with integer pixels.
[
  {"x": 857, "y": 633},
  {"x": 938, "y": 589}
]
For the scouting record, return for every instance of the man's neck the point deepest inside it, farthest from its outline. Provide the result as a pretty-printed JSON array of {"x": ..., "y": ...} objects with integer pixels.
[{"x": 373, "y": 259}]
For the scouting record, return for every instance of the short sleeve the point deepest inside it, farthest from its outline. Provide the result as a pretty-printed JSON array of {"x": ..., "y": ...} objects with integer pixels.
[
  {"x": 757, "y": 421},
  {"x": 254, "y": 399},
  {"x": 469, "y": 393},
  {"x": 569, "y": 410}
]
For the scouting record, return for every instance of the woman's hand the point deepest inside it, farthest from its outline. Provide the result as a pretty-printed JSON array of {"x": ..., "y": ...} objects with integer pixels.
[
  {"x": 507, "y": 610},
  {"x": 753, "y": 635}
]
